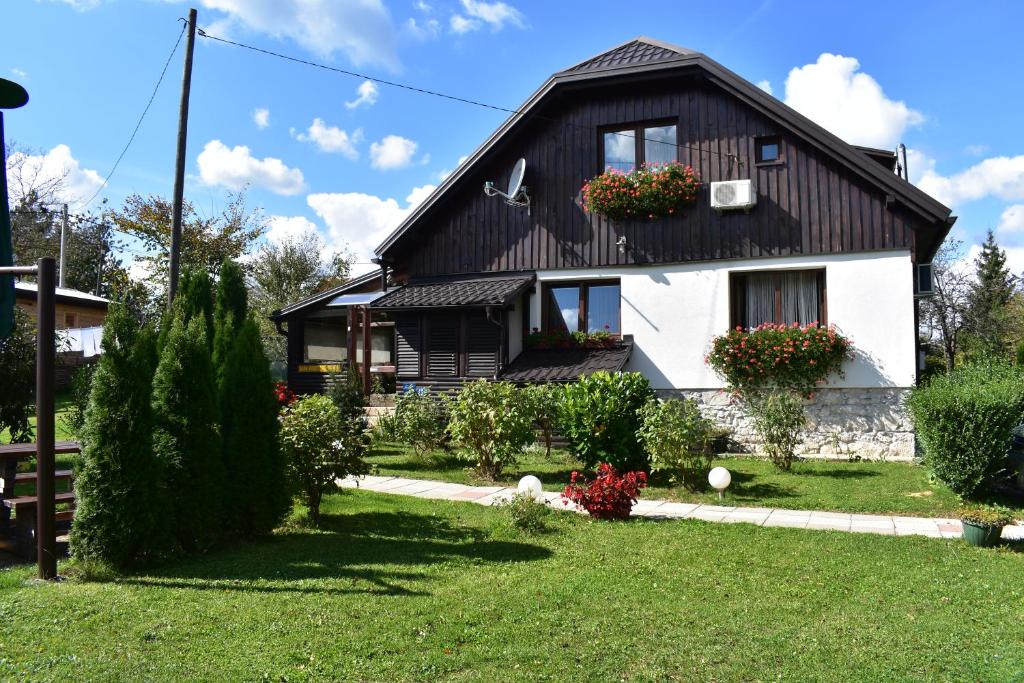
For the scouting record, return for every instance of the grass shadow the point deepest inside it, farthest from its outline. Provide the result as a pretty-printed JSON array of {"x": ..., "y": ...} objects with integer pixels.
[
  {"x": 745, "y": 486},
  {"x": 381, "y": 553},
  {"x": 836, "y": 473}
]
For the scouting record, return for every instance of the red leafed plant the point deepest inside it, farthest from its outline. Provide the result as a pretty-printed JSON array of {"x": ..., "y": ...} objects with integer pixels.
[
  {"x": 651, "y": 191},
  {"x": 609, "y": 496},
  {"x": 285, "y": 396}
]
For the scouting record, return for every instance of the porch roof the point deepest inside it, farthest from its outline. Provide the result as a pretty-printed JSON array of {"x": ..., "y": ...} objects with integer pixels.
[
  {"x": 566, "y": 365},
  {"x": 457, "y": 292}
]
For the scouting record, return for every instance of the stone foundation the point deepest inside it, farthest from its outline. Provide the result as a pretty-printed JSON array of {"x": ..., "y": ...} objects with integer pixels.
[{"x": 842, "y": 423}]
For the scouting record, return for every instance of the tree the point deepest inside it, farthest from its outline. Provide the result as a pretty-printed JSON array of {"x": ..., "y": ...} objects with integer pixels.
[
  {"x": 121, "y": 515},
  {"x": 193, "y": 300},
  {"x": 231, "y": 308},
  {"x": 256, "y": 492},
  {"x": 186, "y": 438},
  {"x": 287, "y": 271},
  {"x": 18, "y": 379},
  {"x": 943, "y": 313},
  {"x": 989, "y": 320}
]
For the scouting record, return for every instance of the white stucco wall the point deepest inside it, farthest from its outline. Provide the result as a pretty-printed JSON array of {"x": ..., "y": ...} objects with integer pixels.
[{"x": 673, "y": 312}]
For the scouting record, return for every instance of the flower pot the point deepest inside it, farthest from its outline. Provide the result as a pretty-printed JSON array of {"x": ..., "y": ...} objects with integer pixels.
[{"x": 981, "y": 535}]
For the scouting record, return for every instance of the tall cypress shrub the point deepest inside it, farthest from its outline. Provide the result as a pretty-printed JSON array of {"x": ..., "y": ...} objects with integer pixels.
[
  {"x": 193, "y": 299},
  {"x": 121, "y": 515},
  {"x": 256, "y": 496},
  {"x": 186, "y": 434},
  {"x": 231, "y": 307}
]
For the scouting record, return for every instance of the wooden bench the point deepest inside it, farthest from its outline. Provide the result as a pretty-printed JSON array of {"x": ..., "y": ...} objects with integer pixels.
[
  {"x": 30, "y": 478},
  {"x": 20, "y": 536}
]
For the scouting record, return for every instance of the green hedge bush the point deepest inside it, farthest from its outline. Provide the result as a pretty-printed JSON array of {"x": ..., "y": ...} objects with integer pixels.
[
  {"x": 421, "y": 419},
  {"x": 964, "y": 421},
  {"x": 494, "y": 422},
  {"x": 679, "y": 441},
  {"x": 600, "y": 417}
]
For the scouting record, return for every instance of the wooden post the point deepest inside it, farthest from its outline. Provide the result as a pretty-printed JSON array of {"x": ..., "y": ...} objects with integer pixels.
[
  {"x": 179, "y": 165},
  {"x": 352, "y": 323},
  {"x": 46, "y": 539},
  {"x": 367, "y": 350}
]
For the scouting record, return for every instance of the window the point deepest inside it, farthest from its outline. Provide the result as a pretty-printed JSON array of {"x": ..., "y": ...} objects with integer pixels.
[
  {"x": 69, "y": 320},
  {"x": 582, "y": 307},
  {"x": 778, "y": 296},
  {"x": 324, "y": 339},
  {"x": 625, "y": 148},
  {"x": 768, "y": 150}
]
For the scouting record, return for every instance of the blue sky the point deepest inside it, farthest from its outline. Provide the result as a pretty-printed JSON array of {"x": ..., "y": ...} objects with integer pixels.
[{"x": 942, "y": 77}]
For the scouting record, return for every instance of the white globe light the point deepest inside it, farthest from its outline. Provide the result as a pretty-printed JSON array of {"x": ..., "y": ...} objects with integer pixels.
[
  {"x": 719, "y": 478},
  {"x": 530, "y": 486}
]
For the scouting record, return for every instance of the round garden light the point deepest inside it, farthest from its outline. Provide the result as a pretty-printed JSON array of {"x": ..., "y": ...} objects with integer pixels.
[
  {"x": 719, "y": 478},
  {"x": 530, "y": 486}
]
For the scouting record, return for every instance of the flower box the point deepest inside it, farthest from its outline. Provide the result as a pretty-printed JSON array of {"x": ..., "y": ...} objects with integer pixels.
[{"x": 651, "y": 191}]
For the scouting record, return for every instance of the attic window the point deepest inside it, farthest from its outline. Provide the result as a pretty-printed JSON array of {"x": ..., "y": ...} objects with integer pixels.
[
  {"x": 768, "y": 149},
  {"x": 624, "y": 148}
]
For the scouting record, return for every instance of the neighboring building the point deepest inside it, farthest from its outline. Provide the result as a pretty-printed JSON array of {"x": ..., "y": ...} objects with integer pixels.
[
  {"x": 75, "y": 309},
  {"x": 835, "y": 236}
]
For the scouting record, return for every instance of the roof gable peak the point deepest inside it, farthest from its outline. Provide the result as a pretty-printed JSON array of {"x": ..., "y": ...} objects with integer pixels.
[{"x": 639, "y": 50}]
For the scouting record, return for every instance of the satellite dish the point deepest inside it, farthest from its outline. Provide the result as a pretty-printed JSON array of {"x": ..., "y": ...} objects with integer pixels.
[
  {"x": 517, "y": 194},
  {"x": 515, "y": 180},
  {"x": 12, "y": 95}
]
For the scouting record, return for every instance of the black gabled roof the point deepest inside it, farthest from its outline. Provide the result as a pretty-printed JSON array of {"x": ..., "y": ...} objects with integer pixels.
[
  {"x": 646, "y": 56},
  {"x": 641, "y": 50},
  {"x": 566, "y": 365},
  {"x": 457, "y": 292},
  {"x": 326, "y": 295}
]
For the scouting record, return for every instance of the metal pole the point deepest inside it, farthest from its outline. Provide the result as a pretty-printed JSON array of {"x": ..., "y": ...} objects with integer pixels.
[
  {"x": 179, "y": 165},
  {"x": 63, "y": 243},
  {"x": 46, "y": 539}
]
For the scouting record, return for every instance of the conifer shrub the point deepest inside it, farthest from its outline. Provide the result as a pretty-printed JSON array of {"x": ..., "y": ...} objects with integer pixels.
[
  {"x": 194, "y": 299},
  {"x": 493, "y": 421},
  {"x": 346, "y": 390},
  {"x": 230, "y": 311},
  {"x": 18, "y": 379},
  {"x": 186, "y": 435},
  {"x": 600, "y": 416},
  {"x": 321, "y": 447},
  {"x": 256, "y": 496},
  {"x": 121, "y": 517},
  {"x": 965, "y": 419}
]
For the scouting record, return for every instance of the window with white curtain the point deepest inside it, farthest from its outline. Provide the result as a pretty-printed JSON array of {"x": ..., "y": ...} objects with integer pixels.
[{"x": 778, "y": 296}]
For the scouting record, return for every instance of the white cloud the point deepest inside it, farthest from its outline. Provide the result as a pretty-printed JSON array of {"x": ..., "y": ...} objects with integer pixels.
[
  {"x": 1014, "y": 258},
  {"x": 1001, "y": 177},
  {"x": 37, "y": 170},
  {"x": 392, "y": 152},
  {"x": 424, "y": 7},
  {"x": 975, "y": 150},
  {"x": 261, "y": 117},
  {"x": 1011, "y": 223},
  {"x": 478, "y": 14},
  {"x": 80, "y": 5},
  {"x": 460, "y": 24},
  {"x": 283, "y": 228},
  {"x": 20, "y": 73},
  {"x": 427, "y": 30},
  {"x": 852, "y": 105},
  {"x": 360, "y": 29},
  {"x": 366, "y": 94},
  {"x": 332, "y": 138},
  {"x": 235, "y": 168},
  {"x": 362, "y": 221},
  {"x": 765, "y": 85}
]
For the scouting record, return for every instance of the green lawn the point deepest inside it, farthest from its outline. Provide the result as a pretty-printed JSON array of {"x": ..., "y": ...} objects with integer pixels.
[
  {"x": 62, "y": 405},
  {"x": 865, "y": 487},
  {"x": 400, "y": 589}
]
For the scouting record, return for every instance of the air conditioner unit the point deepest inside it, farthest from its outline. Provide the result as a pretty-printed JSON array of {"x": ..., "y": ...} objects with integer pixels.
[
  {"x": 925, "y": 281},
  {"x": 733, "y": 194}
]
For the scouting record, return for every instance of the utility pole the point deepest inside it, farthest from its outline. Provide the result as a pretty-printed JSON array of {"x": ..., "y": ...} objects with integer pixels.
[
  {"x": 179, "y": 166},
  {"x": 63, "y": 244}
]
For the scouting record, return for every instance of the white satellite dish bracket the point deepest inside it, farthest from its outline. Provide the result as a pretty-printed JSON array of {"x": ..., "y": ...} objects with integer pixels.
[{"x": 517, "y": 193}]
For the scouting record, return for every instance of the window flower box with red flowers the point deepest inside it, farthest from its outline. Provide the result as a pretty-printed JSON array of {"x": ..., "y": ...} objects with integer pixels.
[
  {"x": 609, "y": 496},
  {"x": 793, "y": 357},
  {"x": 650, "y": 191},
  {"x": 571, "y": 340}
]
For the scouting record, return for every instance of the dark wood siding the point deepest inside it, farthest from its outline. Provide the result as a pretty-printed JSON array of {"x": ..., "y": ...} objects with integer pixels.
[
  {"x": 445, "y": 346},
  {"x": 482, "y": 345},
  {"x": 442, "y": 345},
  {"x": 807, "y": 204},
  {"x": 407, "y": 347}
]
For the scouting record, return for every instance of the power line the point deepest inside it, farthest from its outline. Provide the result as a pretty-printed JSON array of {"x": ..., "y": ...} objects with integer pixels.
[
  {"x": 455, "y": 98},
  {"x": 141, "y": 118}
]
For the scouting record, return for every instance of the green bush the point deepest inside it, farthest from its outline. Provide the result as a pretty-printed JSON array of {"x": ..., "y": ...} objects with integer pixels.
[
  {"x": 526, "y": 514},
  {"x": 186, "y": 435},
  {"x": 121, "y": 517},
  {"x": 679, "y": 441},
  {"x": 321, "y": 447},
  {"x": 600, "y": 416},
  {"x": 494, "y": 422},
  {"x": 230, "y": 311},
  {"x": 347, "y": 393},
  {"x": 421, "y": 419},
  {"x": 18, "y": 379},
  {"x": 543, "y": 401},
  {"x": 81, "y": 384},
  {"x": 779, "y": 419},
  {"x": 256, "y": 496},
  {"x": 964, "y": 421}
]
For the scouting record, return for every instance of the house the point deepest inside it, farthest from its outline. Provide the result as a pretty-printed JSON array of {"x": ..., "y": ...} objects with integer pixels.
[
  {"x": 75, "y": 309},
  {"x": 835, "y": 236}
]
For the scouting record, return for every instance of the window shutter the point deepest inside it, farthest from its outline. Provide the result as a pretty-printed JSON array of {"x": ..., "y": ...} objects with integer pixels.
[
  {"x": 407, "y": 347},
  {"x": 442, "y": 346},
  {"x": 483, "y": 341}
]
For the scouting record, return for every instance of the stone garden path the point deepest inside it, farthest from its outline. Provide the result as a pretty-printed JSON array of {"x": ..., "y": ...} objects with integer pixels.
[{"x": 889, "y": 525}]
